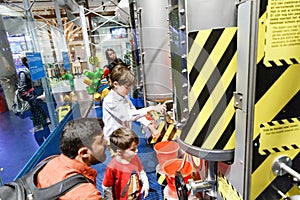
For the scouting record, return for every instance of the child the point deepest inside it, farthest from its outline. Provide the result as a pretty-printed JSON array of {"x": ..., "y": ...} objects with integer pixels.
[
  {"x": 118, "y": 110},
  {"x": 125, "y": 171}
]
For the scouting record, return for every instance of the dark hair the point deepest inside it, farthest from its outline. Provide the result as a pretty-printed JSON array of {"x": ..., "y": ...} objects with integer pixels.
[
  {"x": 122, "y": 138},
  {"x": 121, "y": 74},
  {"x": 79, "y": 133},
  {"x": 24, "y": 61}
]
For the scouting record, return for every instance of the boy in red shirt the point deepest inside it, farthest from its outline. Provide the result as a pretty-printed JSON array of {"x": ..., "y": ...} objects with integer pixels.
[{"x": 125, "y": 171}]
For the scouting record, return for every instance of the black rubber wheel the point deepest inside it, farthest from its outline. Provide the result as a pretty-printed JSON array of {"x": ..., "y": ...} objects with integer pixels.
[{"x": 181, "y": 189}]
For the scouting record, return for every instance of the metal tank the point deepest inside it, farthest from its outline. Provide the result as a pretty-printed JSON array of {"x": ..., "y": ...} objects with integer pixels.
[
  {"x": 153, "y": 35},
  {"x": 208, "y": 124},
  {"x": 204, "y": 35}
]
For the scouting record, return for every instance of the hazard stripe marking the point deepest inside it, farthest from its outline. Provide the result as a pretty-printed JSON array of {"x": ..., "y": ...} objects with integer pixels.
[
  {"x": 293, "y": 191},
  {"x": 218, "y": 75},
  {"x": 266, "y": 111},
  {"x": 281, "y": 62},
  {"x": 171, "y": 133},
  {"x": 259, "y": 184},
  {"x": 215, "y": 95},
  {"x": 160, "y": 177},
  {"x": 278, "y": 136},
  {"x": 219, "y": 128},
  {"x": 210, "y": 63},
  {"x": 196, "y": 48},
  {"x": 226, "y": 189}
]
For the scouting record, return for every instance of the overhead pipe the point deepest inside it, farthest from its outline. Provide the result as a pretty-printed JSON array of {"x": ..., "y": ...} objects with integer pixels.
[{"x": 71, "y": 5}]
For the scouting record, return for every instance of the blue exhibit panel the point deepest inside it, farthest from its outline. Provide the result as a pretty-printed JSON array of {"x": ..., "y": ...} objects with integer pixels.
[
  {"x": 66, "y": 60},
  {"x": 35, "y": 66}
]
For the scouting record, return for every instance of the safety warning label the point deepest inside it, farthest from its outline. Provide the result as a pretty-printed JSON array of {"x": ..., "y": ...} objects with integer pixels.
[
  {"x": 282, "y": 37},
  {"x": 278, "y": 136}
]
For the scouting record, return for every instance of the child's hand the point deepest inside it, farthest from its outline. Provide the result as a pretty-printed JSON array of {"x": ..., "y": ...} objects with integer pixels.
[
  {"x": 154, "y": 132},
  {"x": 161, "y": 108},
  {"x": 145, "y": 190}
]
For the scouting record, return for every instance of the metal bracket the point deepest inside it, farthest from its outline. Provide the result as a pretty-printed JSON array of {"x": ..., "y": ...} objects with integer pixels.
[
  {"x": 282, "y": 165},
  {"x": 276, "y": 167},
  {"x": 238, "y": 100}
]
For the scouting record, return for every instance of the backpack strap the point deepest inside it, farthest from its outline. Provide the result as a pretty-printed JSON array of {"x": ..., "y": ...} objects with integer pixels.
[
  {"x": 60, "y": 188},
  {"x": 54, "y": 191}
]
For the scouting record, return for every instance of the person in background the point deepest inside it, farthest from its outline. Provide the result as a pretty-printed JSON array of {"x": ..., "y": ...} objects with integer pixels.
[
  {"x": 125, "y": 171},
  {"x": 39, "y": 116},
  {"x": 118, "y": 110},
  {"x": 77, "y": 69},
  {"x": 82, "y": 145},
  {"x": 111, "y": 56},
  {"x": 112, "y": 61},
  {"x": 57, "y": 72}
]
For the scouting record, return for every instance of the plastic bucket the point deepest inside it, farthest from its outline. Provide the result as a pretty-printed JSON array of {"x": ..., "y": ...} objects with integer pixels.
[
  {"x": 166, "y": 150},
  {"x": 169, "y": 169}
]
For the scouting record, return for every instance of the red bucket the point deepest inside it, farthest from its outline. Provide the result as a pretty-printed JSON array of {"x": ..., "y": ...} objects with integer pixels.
[
  {"x": 166, "y": 150},
  {"x": 169, "y": 169}
]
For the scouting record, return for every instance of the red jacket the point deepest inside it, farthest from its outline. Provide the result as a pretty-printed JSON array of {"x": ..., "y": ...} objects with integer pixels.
[{"x": 62, "y": 167}]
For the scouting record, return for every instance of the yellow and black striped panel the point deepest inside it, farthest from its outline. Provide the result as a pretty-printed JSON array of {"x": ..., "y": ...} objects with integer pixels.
[
  {"x": 167, "y": 132},
  {"x": 211, "y": 65},
  {"x": 293, "y": 191},
  {"x": 161, "y": 177},
  {"x": 277, "y": 97},
  {"x": 227, "y": 190}
]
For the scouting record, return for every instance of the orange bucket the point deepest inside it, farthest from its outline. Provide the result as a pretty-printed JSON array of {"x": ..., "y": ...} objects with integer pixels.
[
  {"x": 166, "y": 150},
  {"x": 169, "y": 169}
]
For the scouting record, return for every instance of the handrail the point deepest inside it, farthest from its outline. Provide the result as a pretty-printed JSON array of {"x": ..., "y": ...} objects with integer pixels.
[{"x": 51, "y": 144}]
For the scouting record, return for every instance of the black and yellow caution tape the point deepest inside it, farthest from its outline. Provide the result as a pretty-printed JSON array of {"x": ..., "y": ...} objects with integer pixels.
[{"x": 227, "y": 190}]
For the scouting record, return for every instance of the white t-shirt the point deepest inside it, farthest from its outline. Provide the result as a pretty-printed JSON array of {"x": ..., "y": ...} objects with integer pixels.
[{"x": 119, "y": 111}]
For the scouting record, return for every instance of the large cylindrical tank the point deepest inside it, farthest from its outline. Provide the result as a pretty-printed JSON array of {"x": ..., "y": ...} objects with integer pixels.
[
  {"x": 210, "y": 47},
  {"x": 154, "y": 41}
]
